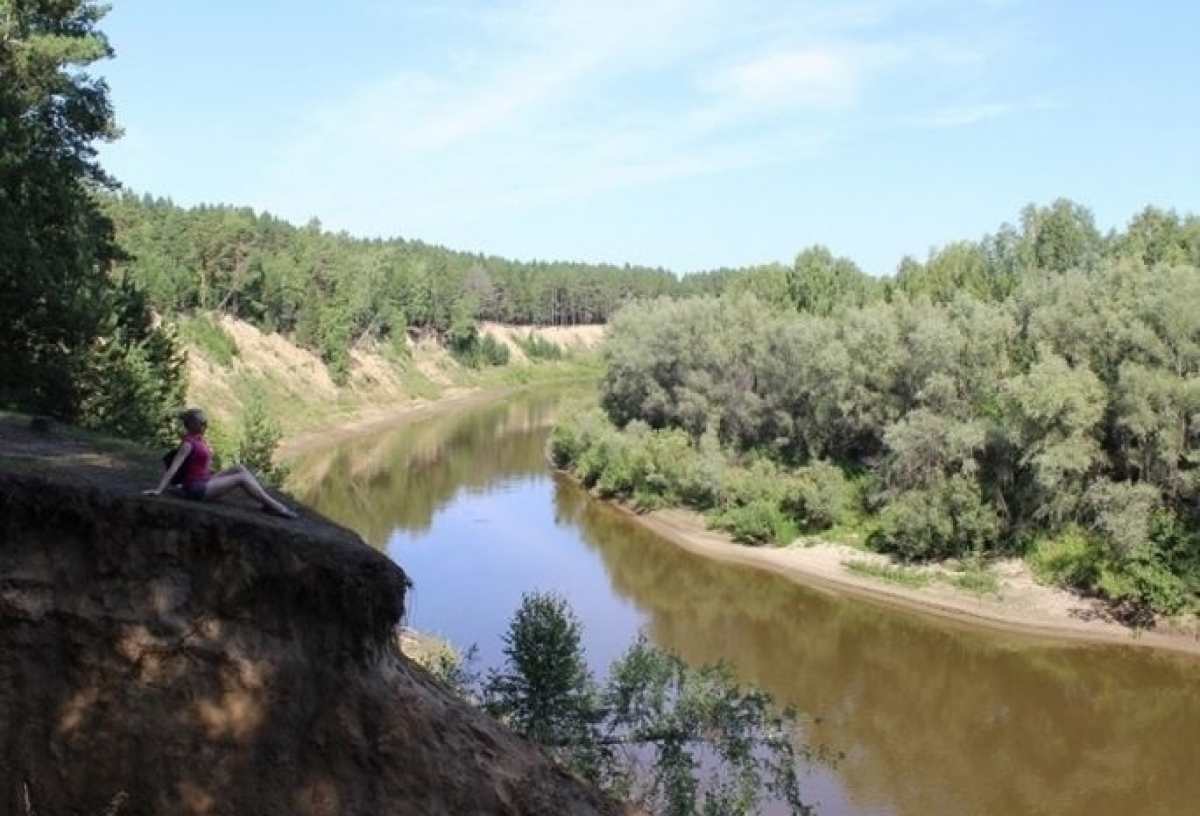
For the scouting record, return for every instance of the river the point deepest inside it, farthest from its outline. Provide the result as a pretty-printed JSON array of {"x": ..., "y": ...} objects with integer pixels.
[{"x": 932, "y": 718}]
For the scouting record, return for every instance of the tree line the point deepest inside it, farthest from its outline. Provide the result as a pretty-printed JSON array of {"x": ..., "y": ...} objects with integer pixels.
[
  {"x": 330, "y": 292},
  {"x": 1035, "y": 392}
]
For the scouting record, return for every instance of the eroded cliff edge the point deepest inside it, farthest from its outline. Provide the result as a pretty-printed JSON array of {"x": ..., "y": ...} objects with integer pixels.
[{"x": 164, "y": 657}]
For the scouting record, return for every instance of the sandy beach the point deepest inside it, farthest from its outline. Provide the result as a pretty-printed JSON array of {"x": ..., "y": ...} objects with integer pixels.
[{"x": 1022, "y": 605}]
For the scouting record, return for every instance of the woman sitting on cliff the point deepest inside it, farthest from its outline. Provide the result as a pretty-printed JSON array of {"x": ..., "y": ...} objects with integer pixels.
[{"x": 192, "y": 460}]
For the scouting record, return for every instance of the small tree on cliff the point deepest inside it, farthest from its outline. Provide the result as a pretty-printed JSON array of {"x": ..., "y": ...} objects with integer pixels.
[
  {"x": 259, "y": 437},
  {"x": 545, "y": 690},
  {"x": 677, "y": 740}
]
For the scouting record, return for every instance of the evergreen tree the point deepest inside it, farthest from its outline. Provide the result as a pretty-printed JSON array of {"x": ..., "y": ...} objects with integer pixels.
[
  {"x": 74, "y": 342},
  {"x": 677, "y": 740}
]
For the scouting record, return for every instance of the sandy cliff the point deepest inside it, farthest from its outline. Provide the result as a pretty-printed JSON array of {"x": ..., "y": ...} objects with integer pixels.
[{"x": 164, "y": 657}]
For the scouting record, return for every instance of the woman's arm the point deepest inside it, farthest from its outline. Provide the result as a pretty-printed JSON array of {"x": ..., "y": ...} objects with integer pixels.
[{"x": 181, "y": 455}]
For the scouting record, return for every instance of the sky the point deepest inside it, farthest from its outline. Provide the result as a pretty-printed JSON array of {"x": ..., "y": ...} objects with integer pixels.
[{"x": 683, "y": 134}]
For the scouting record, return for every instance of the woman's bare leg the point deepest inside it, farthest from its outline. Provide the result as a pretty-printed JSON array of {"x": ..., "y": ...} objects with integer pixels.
[{"x": 239, "y": 478}]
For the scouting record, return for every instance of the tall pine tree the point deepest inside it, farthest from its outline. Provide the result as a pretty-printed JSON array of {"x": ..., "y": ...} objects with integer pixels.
[{"x": 74, "y": 343}]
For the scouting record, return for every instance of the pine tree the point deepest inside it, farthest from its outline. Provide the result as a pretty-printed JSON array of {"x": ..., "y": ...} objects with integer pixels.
[{"x": 74, "y": 343}]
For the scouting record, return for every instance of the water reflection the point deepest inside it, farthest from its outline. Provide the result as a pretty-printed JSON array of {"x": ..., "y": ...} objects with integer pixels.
[
  {"x": 401, "y": 477},
  {"x": 933, "y": 719}
]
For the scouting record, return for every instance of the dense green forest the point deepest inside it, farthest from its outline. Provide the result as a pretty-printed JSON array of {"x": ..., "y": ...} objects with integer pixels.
[
  {"x": 329, "y": 292},
  {"x": 1035, "y": 392}
]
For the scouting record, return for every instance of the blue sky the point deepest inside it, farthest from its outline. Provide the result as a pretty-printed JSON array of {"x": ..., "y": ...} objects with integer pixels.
[{"x": 688, "y": 134}]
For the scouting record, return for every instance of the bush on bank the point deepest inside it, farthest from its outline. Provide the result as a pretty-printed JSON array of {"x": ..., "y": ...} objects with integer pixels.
[{"x": 754, "y": 499}]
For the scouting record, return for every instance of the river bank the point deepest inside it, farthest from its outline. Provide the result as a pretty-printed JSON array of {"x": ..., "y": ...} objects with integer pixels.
[
  {"x": 369, "y": 418},
  {"x": 1020, "y": 605}
]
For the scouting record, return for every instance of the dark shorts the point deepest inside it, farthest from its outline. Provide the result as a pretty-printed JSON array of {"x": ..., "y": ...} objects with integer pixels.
[{"x": 194, "y": 491}]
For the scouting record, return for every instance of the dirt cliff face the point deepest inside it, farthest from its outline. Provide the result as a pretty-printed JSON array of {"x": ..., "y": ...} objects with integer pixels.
[{"x": 165, "y": 657}]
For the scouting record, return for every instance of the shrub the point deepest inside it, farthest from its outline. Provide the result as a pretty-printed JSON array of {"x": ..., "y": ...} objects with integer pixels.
[
  {"x": 763, "y": 479},
  {"x": 622, "y": 467},
  {"x": 1070, "y": 559},
  {"x": 259, "y": 438},
  {"x": 1137, "y": 583},
  {"x": 601, "y": 455},
  {"x": 566, "y": 444},
  {"x": 819, "y": 497},
  {"x": 1140, "y": 584},
  {"x": 472, "y": 349},
  {"x": 759, "y": 522},
  {"x": 492, "y": 351},
  {"x": 539, "y": 348},
  {"x": 946, "y": 519},
  {"x": 673, "y": 470},
  {"x": 571, "y": 437}
]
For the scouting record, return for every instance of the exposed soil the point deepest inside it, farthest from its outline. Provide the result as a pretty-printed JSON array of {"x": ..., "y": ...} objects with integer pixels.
[
  {"x": 571, "y": 338},
  {"x": 379, "y": 390},
  {"x": 160, "y": 656}
]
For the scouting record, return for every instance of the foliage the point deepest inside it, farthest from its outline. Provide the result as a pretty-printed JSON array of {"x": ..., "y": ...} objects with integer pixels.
[
  {"x": 946, "y": 518},
  {"x": 903, "y": 576},
  {"x": 545, "y": 690},
  {"x": 759, "y": 521},
  {"x": 206, "y": 334},
  {"x": 330, "y": 292},
  {"x": 820, "y": 496},
  {"x": 758, "y": 502},
  {"x": 132, "y": 376},
  {"x": 675, "y": 739},
  {"x": 473, "y": 349},
  {"x": 76, "y": 342},
  {"x": 537, "y": 347},
  {"x": 259, "y": 437},
  {"x": 1068, "y": 559},
  {"x": 1039, "y": 381},
  {"x": 717, "y": 748}
]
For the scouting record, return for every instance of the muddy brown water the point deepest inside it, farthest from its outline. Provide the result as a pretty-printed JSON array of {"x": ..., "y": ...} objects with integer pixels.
[{"x": 932, "y": 718}]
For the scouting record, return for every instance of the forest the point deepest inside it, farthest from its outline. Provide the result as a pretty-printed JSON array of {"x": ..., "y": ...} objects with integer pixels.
[
  {"x": 1036, "y": 392},
  {"x": 330, "y": 292}
]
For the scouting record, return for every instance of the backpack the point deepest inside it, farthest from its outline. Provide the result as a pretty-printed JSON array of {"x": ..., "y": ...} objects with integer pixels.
[{"x": 168, "y": 458}]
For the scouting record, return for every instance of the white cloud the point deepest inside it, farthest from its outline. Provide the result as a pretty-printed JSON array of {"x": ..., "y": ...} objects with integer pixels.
[
  {"x": 823, "y": 76},
  {"x": 546, "y": 100},
  {"x": 962, "y": 115}
]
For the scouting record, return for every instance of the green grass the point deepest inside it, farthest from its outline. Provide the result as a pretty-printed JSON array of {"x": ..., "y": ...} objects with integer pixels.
[
  {"x": 903, "y": 576},
  {"x": 204, "y": 333},
  {"x": 976, "y": 578},
  {"x": 539, "y": 348},
  {"x": 854, "y": 534}
]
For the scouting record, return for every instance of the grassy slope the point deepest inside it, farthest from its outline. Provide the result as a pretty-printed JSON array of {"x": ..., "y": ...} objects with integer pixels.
[{"x": 298, "y": 391}]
